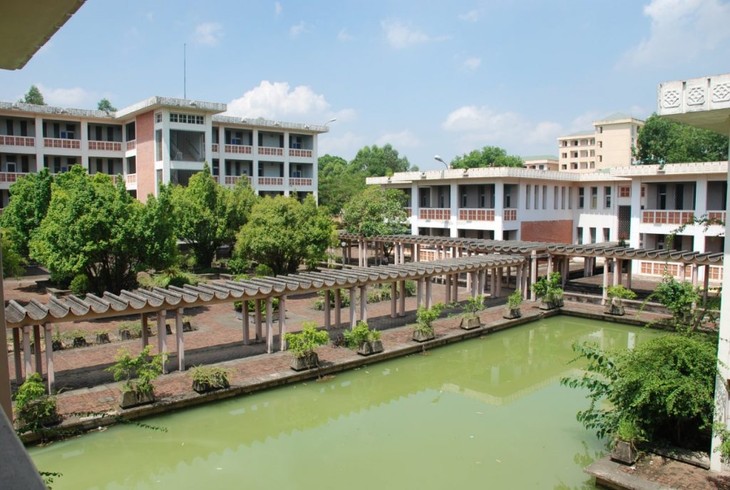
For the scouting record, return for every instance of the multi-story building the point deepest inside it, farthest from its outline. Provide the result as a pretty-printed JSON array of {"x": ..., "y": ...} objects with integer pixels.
[
  {"x": 541, "y": 162},
  {"x": 643, "y": 205},
  {"x": 158, "y": 141},
  {"x": 610, "y": 144}
]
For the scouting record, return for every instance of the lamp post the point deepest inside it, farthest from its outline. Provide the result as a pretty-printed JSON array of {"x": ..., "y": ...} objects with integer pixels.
[{"x": 439, "y": 159}]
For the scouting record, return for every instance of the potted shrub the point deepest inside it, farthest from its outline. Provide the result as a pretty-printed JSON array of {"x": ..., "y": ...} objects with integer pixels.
[
  {"x": 130, "y": 330},
  {"x": 512, "y": 310},
  {"x": 548, "y": 290},
  {"x": 209, "y": 378},
  {"x": 423, "y": 330},
  {"x": 624, "y": 444},
  {"x": 57, "y": 340},
  {"x": 102, "y": 337},
  {"x": 615, "y": 296},
  {"x": 470, "y": 319},
  {"x": 303, "y": 344},
  {"x": 364, "y": 339},
  {"x": 34, "y": 408},
  {"x": 137, "y": 372}
]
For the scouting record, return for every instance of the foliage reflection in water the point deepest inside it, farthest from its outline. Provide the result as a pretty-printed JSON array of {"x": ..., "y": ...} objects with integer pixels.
[{"x": 488, "y": 411}]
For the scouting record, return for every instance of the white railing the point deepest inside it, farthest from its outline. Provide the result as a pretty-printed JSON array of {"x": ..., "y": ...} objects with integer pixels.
[
  {"x": 17, "y": 140},
  {"x": 443, "y": 214},
  {"x": 11, "y": 176},
  {"x": 62, "y": 143},
  {"x": 105, "y": 145},
  {"x": 467, "y": 214},
  {"x": 239, "y": 149},
  {"x": 270, "y": 151},
  {"x": 294, "y": 152},
  {"x": 131, "y": 144},
  {"x": 233, "y": 179},
  {"x": 271, "y": 181},
  {"x": 667, "y": 217},
  {"x": 130, "y": 178},
  {"x": 299, "y": 182}
]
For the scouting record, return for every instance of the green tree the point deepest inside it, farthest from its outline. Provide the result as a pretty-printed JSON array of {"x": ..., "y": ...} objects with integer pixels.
[
  {"x": 12, "y": 261},
  {"x": 338, "y": 182},
  {"x": 106, "y": 106},
  {"x": 374, "y": 161},
  {"x": 29, "y": 200},
  {"x": 376, "y": 211},
  {"x": 283, "y": 232},
  {"x": 489, "y": 156},
  {"x": 33, "y": 96},
  {"x": 662, "y": 141},
  {"x": 96, "y": 229},
  {"x": 238, "y": 202}
]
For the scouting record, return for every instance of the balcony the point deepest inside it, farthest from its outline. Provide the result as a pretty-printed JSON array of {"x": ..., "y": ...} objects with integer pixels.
[
  {"x": 293, "y": 152},
  {"x": 131, "y": 179},
  {"x": 238, "y": 149},
  {"x": 466, "y": 214},
  {"x": 716, "y": 217},
  {"x": 10, "y": 177},
  {"x": 233, "y": 179},
  {"x": 299, "y": 182},
  {"x": 17, "y": 141},
  {"x": 105, "y": 145},
  {"x": 275, "y": 181},
  {"x": 667, "y": 217},
  {"x": 131, "y": 145},
  {"x": 271, "y": 151},
  {"x": 441, "y": 214},
  {"x": 64, "y": 143}
]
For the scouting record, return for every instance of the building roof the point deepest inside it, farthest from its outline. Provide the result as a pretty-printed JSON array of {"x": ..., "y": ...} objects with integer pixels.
[
  {"x": 25, "y": 28},
  {"x": 533, "y": 158},
  {"x": 579, "y": 133},
  {"x": 617, "y": 117}
]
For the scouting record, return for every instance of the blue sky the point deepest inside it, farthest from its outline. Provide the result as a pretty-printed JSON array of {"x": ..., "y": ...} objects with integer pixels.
[{"x": 428, "y": 77}]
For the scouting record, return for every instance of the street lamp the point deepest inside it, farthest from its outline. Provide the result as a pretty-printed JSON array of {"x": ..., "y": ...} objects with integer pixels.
[
  {"x": 330, "y": 121},
  {"x": 439, "y": 159}
]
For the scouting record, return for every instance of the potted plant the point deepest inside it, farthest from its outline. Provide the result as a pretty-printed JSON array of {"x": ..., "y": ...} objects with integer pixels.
[
  {"x": 615, "y": 296},
  {"x": 130, "y": 330},
  {"x": 624, "y": 444},
  {"x": 209, "y": 378},
  {"x": 364, "y": 339},
  {"x": 512, "y": 310},
  {"x": 548, "y": 290},
  {"x": 57, "y": 340},
  {"x": 470, "y": 319},
  {"x": 137, "y": 372},
  {"x": 102, "y": 337},
  {"x": 425, "y": 317},
  {"x": 34, "y": 408},
  {"x": 303, "y": 344}
]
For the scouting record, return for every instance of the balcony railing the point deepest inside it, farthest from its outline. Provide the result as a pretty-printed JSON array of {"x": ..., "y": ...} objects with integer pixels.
[
  {"x": 105, "y": 145},
  {"x": 239, "y": 149},
  {"x": 233, "y": 179},
  {"x": 409, "y": 212},
  {"x": 443, "y": 214},
  {"x": 271, "y": 181},
  {"x": 294, "y": 152},
  {"x": 130, "y": 178},
  {"x": 131, "y": 144},
  {"x": 17, "y": 140},
  {"x": 214, "y": 147},
  {"x": 62, "y": 143},
  {"x": 716, "y": 217},
  {"x": 667, "y": 217},
  {"x": 466, "y": 214},
  {"x": 270, "y": 151},
  {"x": 510, "y": 215},
  {"x": 11, "y": 176},
  {"x": 299, "y": 182}
]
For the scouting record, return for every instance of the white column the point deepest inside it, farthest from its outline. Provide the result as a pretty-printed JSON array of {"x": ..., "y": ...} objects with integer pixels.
[
  {"x": 415, "y": 203},
  {"x": 258, "y": 308},
  {"x": 27, "y": 357},
  {"x": 700, "y": 208},
  {"x": 327, "y": 316},
  {"x": 269, "y": 325},
  {"x": 499, "y": 210},
  {"x": 353, "y": 311},
  {"x": 282, "y": 323},
  {"x": 635, "y": 234},
  {"x": 364, "y": 303},
  {"x": 51, "y": 373},
  {"x": 180, "y": 340},
  {"x": 338, "y": 308},
  {"x": 393, "y": 300},
  {"x": 454, "y": 205},
  {"x": 244, "y": 319},
  {"x": 162, "y": 339}
]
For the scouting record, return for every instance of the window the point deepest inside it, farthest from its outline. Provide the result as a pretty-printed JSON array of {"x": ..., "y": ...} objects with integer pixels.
[
  {"x": 555, "y": 197},
  {"x": 593, "y": 235},
  {"x": 570, "y": 198},
  {"x": 579, "y": 235},
  {"x": 624, "y": 191},
  {"x": 581, "y": 197},
  {"x": 661, "y": 196},
  {"x": 9, "y": 127},
  {"x": 679, "y": 197},
  {"x": 463, "y": 200},
  {"x": 594, "y": 197},
  {"x": 607, "y": 197},
  {"x": 158, "y": 117},
  {"x": 528, "y": 188},
  {"x": 607, "y": 234},
  {"x": 186, "y": 118},
  {"x": 158, "y": 145},
  {"x": 23, "y": 128},
  {"x": 562, "y": 197},
  {"x": 544, "y": 197}
]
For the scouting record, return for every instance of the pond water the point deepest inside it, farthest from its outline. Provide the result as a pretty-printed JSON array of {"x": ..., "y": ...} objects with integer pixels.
[{"x": 486, "y": 413}]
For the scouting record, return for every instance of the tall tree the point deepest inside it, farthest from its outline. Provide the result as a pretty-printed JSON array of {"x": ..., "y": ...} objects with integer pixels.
[
  {"x": 106, "y": 106},
  {"x": 338, "y": 182},
  {"x": 29, "y": 200},
  {"x": 33, "y": 96},
  {"x": 283, "y": 232},
  {"x": 489, "y": 156},
  {"x": 97, "y": 229},
  {"x": 661, "y": 141},
  {"x": 376, "y": 211},
  {"x": 374, "y": 161}
]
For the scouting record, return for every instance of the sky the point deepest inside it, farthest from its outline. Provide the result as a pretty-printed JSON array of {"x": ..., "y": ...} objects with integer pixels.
[{"x": 426, "y": 77}]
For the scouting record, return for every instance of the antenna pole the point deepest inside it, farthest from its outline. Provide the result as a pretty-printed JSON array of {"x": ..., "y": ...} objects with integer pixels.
[{"x": 185, "y": 71}]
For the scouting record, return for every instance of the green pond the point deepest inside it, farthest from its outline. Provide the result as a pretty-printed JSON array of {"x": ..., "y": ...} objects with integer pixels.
[{"x": 485, "y": 413}]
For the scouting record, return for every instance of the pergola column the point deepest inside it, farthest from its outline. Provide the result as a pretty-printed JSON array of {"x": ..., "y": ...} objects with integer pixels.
[
  {"x": 327, "y": 315},
  {"x": 498, "y": 288},
  {"x": 51, "y": 372},
  {"x": 353, "y": 312},
  {"x": 565, "y": 265},
  {"x": 518, "y": 279},
  {"x": 258, "y": 316},
  {"x": 269, "y": 325},
  {"x": 616, "y": 272},
  {"x": 447, "y": 289},
  {"x": 549, "y": 264},
  {"x": 364, "y": 253},
  {"x": 282, "y": 322},
  {"x": 364, "y": 303},
  {"x": 338, "y": 308},
  {"x": 393, "y": 299},
  {"x": 180, "y": 339},
  {"x": 38, "y": 354},
  {"x": 244, "y": 321},
  {"x": 628, "y": 273},
  {"x": 145, "y": 332},
  {"x": 16, "y": 356},
  {"x": 27, "y": 358},
  {"x": 705, "y": 283},
  {"x": 455, "y": 287},
  {"x": 162, "y": 339},
  {"x": 419, "y": 292},
  {"x": 604, "y": 295},
  {"x": 402, "y": 299},
  {"x": 359, "y": 252},
  {"x": 533, "y": 274},
  {"x": 493, "y": 282}
]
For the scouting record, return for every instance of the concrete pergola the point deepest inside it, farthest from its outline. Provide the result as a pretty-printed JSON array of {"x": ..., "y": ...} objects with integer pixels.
[
  {"x": 36, "y": 317},
  {"x": 705, "y": 103}
]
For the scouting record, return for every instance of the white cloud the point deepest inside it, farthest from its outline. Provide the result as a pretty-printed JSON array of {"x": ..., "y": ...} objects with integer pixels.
[
  {"x": 345, "y": 145},
  {"x": 681, "y": 31},
  {"x": 75, "y": 97},
  {"x": 278, "y": 8},
  {"x": 481, "y": 126},
  {"x": 400, "y": 35},
  {"x": 344, "y": 36},
  {"x": 297, "y": 29},
  {"x": 208, "y": 33},
  {"x": 277, "y": 100},
  {"x": 470, "y": 16},
  {"x": 472, "y": 63},
  {"x": 402, "y": 139}
]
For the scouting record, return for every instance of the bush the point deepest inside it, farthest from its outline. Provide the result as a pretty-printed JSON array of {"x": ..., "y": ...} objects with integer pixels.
[
  {"x": 210, "y": 376},
  {"x": 137, "y": 372},
  {"x": 169, "y": 277},
  {"x": 303, "y": 343},
  {"x": 80, "y": 285},
  {"x": 359, "y": 335},
  {"x": 426, "y": 317},
  {"x": 238, "y": 265},
  {"x": 34, "y": 407},
  {"x": 620, "y": 292},
  {"x": 263, "y": 270},
  {"x": 514, "y": 300}
]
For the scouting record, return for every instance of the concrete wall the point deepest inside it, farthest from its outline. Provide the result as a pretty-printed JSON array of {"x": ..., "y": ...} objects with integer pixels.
[
  {"x": 145, "y": 127},
  {"x": 547, "y": 231}
]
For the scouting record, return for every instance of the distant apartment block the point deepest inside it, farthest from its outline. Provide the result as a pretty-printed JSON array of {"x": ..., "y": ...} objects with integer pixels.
[
  {"x": 157, "y": 141},
  {"x": 609, "y": 145}
]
